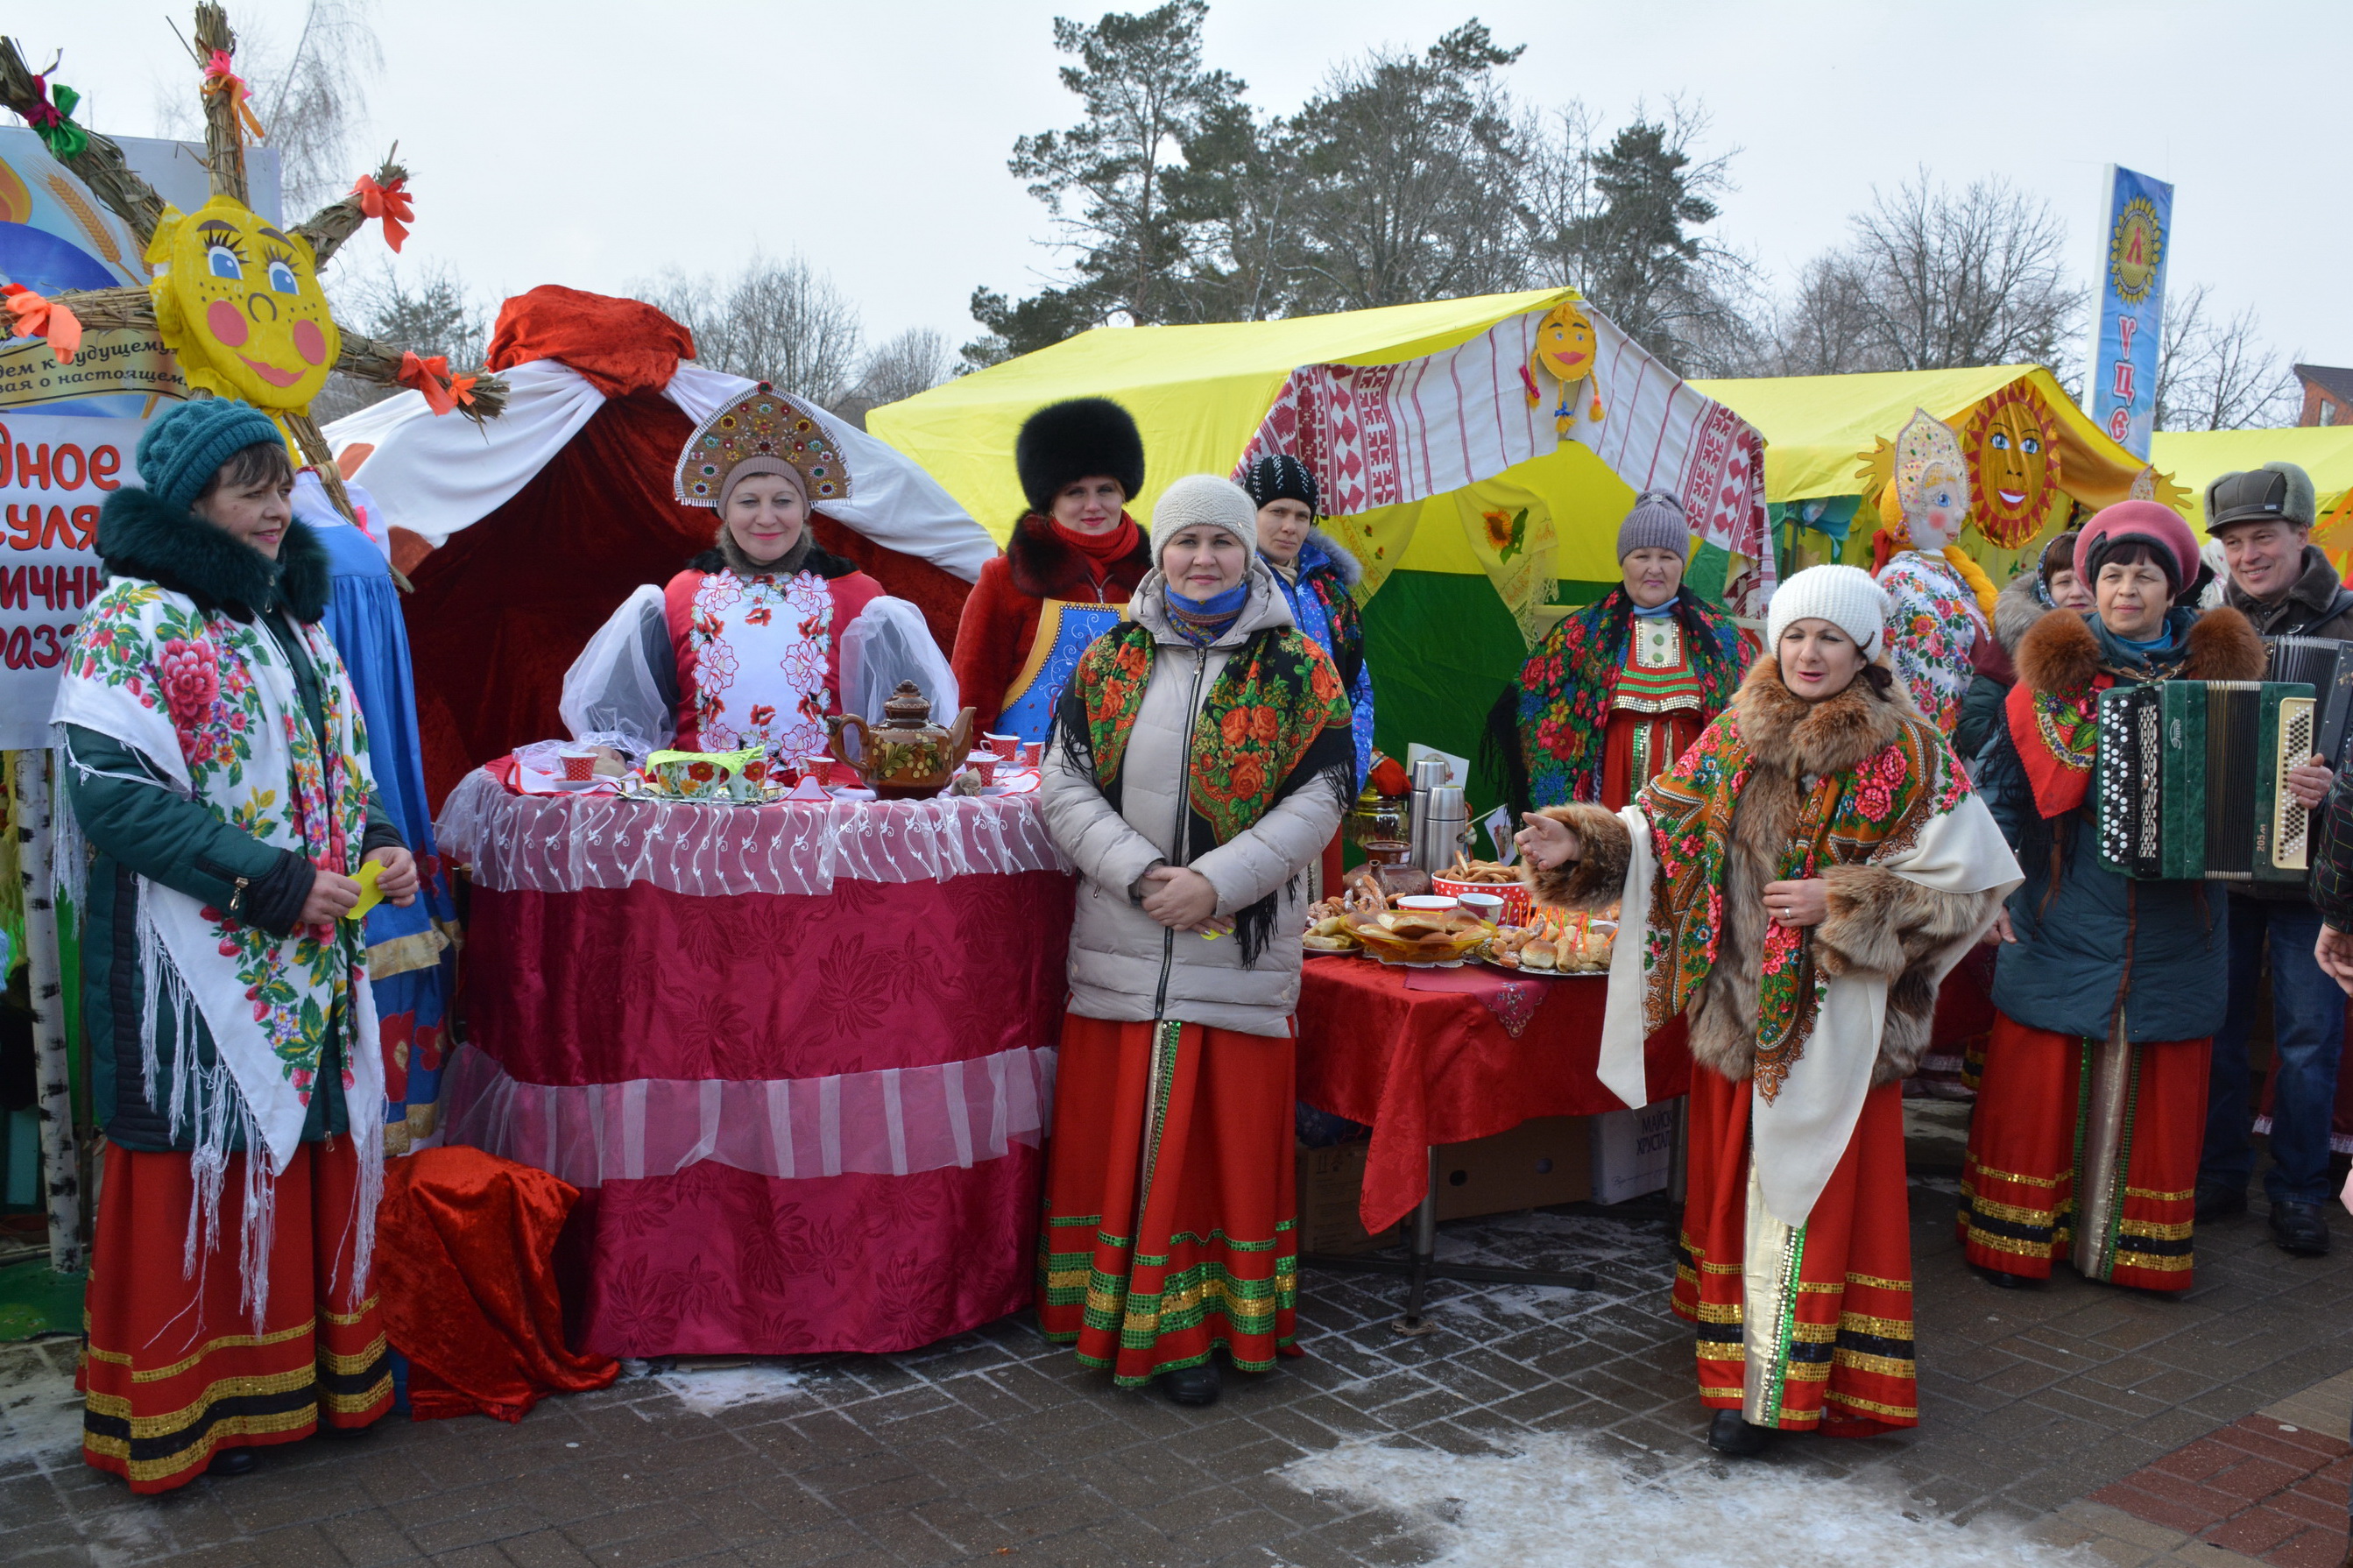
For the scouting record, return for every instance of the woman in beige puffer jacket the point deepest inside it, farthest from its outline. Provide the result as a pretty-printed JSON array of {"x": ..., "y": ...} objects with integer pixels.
[{"x": 1201, "y": 761}]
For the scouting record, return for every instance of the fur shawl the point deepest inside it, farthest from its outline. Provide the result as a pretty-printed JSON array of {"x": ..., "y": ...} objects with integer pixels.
[
  {"x": 1043, "y": 567},
  {"x": 139, "y": 536},
  {"x": 1879, "y": 923},
  {"x": 2062, "y": 654}
]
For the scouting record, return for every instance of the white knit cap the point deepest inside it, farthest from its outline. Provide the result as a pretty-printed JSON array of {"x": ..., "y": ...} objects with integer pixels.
[
  {"x": 1199, "y": 498},
  {"x": 1844, "y": 595}
]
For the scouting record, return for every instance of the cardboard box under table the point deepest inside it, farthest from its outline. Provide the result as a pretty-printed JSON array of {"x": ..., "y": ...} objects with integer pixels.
[{"x": 1436, "y": 1062}]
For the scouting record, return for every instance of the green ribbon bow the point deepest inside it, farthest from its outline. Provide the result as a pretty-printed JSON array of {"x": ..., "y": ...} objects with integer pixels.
[{"x": 53, "y": 122}]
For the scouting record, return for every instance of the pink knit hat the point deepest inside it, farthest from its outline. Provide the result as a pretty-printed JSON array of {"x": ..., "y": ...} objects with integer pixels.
[{"x": 2142, "y": 522}]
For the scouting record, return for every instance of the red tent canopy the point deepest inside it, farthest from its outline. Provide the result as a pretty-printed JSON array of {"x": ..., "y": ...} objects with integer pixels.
[{"x": 500, "y": 612}]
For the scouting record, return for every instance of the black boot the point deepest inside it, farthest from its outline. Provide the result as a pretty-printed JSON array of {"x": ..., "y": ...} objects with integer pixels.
[
  {"x": 2006, "y": 1281},
  {"x": 1195, "y": 1385},
  {"x": 2300, "y": 1228},
  {"x": 231, "y": 1462},
  {"x": 1728, "y": 1434},
  {"x": 2221, "y": 1200}
]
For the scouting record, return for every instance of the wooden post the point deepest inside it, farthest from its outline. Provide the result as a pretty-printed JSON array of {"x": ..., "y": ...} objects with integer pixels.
[
  {"x": 224, "y": 141},
  {"x": 61, "y": 1161}
]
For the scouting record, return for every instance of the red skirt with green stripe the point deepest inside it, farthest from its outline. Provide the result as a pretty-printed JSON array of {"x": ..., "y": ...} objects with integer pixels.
[
  {"x": 2025, "y": 1180},
  {"x": 1813, "y": 1334},
  {"x": 1171, "y": 1212},
  {"x": 174, "y": 1369}
]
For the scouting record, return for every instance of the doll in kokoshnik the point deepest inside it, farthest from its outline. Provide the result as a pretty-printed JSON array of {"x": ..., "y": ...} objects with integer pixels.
[
  {"x": 1614, "y": 694},
  {"x": 216, "y": 764},
  {"x": 1941, "y": 602},
  {"x": 1071, "y": 561}
]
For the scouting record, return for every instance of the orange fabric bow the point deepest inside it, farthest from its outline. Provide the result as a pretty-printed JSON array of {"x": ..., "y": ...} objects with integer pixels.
[
  {"x": 429, "y": 374},
  {"x": 34, "y": 317},
  {"x": 219, "y": 79},
  {"x": 388, "y": 203}
]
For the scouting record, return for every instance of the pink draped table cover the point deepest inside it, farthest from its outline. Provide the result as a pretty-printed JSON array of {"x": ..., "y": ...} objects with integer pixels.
[{"x": 798, "y": 1058}]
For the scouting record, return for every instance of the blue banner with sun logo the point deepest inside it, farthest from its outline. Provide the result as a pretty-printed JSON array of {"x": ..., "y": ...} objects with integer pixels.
[{"x": 2135, "y": 237}]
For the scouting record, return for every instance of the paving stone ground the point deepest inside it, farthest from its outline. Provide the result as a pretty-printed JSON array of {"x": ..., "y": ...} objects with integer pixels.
[{"x": 998, "y": 1447}]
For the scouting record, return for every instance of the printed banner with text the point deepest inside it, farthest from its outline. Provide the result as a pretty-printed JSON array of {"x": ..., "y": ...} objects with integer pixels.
[
  {"x": 2135, "y": 235},
  {"x": 56, "y": 471}
]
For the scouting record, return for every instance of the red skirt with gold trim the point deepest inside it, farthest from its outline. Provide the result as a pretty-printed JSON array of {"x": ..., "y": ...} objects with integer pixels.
[
  {"x": 1837, "y": 1356},
  {"x": 174, "y": 1369},
  {"x": 1171, "y": 1206},
  {"x": 2024, "y": 1172}
]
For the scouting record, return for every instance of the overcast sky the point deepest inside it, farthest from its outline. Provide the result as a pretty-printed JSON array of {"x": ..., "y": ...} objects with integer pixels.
[{"x": 593, "y": 143}]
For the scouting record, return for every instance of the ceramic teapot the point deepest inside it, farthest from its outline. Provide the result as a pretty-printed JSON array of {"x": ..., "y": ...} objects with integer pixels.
[{"x": 905, "y": 757}]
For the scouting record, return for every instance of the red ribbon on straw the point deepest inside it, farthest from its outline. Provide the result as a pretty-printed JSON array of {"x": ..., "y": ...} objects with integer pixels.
[
  {"x": 389, "y": 204},
  {"x": 429, "y": 374},
  {"x": 36, "y": 317}
]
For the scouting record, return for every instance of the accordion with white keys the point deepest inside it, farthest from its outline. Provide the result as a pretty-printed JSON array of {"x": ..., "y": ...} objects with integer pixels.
[{"x": 2190, "y": 779}]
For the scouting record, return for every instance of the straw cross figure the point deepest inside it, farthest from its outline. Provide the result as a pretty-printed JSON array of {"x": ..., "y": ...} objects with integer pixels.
[{"x": 229, "y": 123}]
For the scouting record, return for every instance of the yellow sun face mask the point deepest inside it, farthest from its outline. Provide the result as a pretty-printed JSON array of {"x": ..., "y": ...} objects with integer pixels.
[{"x": 237, "y": 302}]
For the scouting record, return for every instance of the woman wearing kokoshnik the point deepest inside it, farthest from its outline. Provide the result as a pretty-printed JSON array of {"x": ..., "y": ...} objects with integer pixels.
[
  {"x": 1200, "y": 760},
  {"x": 744, "y": 648},
  {"x": 1618, "y": 689},
  {"x": 217, "y": 767},
  {"x": 1073, "y": 559},
  {"x": 1803, "y": 880},
  {"x": 2091, "y": 1111}
]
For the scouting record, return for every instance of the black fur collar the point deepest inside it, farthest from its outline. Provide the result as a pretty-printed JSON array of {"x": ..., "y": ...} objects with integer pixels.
[
  {"x": 139, "y": 536},
  {"x": 1043, "y": 567}
]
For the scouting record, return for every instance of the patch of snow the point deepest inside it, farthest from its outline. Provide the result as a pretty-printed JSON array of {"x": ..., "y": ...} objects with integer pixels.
[
  {"x": 1556, "y": 1501},
  {"x": 709, "y": 1393},
  {"x": 40, "y": 1414}
]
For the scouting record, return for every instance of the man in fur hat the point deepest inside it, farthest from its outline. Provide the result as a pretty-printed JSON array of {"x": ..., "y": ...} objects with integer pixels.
[{"x": 2282, "y": 582}]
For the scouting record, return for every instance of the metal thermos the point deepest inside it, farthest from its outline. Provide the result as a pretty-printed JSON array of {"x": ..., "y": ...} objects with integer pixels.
[
  {"x": 1428, "y": 773},
  {"x": 1439, "y": 828}
]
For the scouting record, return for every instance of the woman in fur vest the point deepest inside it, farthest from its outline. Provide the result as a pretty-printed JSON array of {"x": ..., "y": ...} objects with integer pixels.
[
  {"x": 1799, "y": 883},
  {"x": 2090, "y": 1112},
  {"x": 1073, "y": 560},
  {"x": 1201, "y": 761}
]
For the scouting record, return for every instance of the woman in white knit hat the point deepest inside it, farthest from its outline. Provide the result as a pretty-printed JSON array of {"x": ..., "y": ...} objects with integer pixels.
[
  {"x": 1200, "y": 759},
  {"x": 1797, "y": 884}
]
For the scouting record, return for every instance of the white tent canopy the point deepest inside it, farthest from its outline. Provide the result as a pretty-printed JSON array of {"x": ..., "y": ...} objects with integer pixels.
[{"x": 437, "y": 475}]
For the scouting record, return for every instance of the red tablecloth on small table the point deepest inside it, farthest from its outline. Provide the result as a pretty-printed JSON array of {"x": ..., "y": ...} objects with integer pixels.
[
  {"x": 796, "y": 1058},
  {"x": 1424, "y": 1067}
]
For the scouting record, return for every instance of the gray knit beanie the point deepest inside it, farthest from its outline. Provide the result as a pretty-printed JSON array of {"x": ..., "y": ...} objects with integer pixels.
[
  {"x": 1657, "y": 522},
  {"x": 1198, "y": 499}
]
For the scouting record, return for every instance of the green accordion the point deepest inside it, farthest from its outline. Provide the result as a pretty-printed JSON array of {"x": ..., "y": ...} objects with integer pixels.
[{"x": 2191, "y": 780}]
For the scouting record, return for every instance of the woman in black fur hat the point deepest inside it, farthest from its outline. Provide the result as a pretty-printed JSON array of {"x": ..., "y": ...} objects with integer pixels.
[{"x": 1073, "y": 559}]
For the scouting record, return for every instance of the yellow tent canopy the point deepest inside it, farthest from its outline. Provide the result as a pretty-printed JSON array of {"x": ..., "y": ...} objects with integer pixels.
[
  {"x": 2197, "y": 458},
  {"x": 1476, "y": 456},
  {"x": 1199, "y": 394},
  {"x": 1816, "y": 428}
]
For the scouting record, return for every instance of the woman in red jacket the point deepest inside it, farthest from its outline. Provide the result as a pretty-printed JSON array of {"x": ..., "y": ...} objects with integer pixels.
[{"x": 1072, "y": 561}]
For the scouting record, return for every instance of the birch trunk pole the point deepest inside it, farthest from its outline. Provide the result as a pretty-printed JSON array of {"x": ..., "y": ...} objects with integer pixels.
[{"x": 60, "y": 1159}]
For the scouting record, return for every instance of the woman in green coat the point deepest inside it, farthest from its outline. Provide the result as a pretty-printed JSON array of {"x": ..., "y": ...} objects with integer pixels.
[{"x": 216, "y": 768}]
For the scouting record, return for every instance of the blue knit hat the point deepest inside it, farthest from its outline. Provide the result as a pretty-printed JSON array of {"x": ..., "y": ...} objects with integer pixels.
[{"x": 188, "y": 442}]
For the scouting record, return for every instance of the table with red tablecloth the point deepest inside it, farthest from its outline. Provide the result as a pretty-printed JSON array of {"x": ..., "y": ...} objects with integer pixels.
[
  {"x": 1425, "y": 1067},
  {"x": 797, "y": 1057}
]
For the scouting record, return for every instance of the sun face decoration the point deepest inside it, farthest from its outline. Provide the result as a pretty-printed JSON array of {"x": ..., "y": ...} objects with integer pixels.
[
  {"x": 237, "y": 302},
  {"x": 2011, "y": 441},
  {"x": 1565, "y": 348}
]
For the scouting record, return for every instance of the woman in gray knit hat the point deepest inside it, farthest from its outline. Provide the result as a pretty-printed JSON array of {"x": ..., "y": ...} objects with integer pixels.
[{"x": 1615, "y": 693}]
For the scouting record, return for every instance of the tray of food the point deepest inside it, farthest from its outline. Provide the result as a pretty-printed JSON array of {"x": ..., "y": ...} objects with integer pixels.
[{"x": 1554, "y": 943}]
